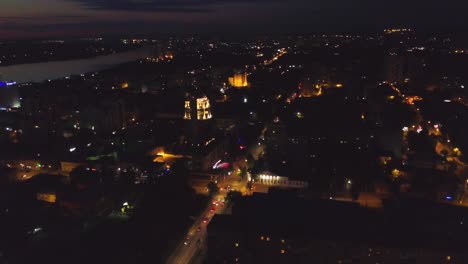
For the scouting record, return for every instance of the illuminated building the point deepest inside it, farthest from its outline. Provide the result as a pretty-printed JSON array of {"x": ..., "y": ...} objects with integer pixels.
[
  {"x": 201, "y": 140},
  {"x": 239, "y": 80},
  {"x": 203, "y": 108},
  {"x": 47, "y": 197},
  {"x": 199, "y": 108},
  {"x": 270, "y": 179},
  {"x": 313, "y": 89},
  {"x": 397, "y": 30},
  {"x": 199, "y": 124},
  {"x": 9, "y": 95},
  {"x": 188, "y": 111},
  {"x": 411, "y": 99}
]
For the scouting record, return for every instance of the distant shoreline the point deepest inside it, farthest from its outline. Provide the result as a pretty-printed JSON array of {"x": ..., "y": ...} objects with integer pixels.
[{"x": 42, "y": 71}]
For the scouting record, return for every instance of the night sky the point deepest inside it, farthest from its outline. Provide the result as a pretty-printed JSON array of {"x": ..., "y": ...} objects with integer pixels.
[{"x": 41, "y": 18}]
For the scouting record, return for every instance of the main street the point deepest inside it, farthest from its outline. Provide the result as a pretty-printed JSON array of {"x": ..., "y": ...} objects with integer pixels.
[
  {"x": 195, "y": 238},
  {"x": 196, "y": 235},
  {"x": 276, "y": 56}
]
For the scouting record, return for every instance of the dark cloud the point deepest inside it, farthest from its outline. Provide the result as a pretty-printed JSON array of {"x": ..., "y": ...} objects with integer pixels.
[
  {"x": 148, "y": 5},
  {"x": 96, "y": 27},
  {"x": 311, "y": 13},
  {"x": 248, "y": 16},
  {"x": 161, "y": 5},
  {"x": 92, "y": 25},
  {"x": 35, "y": 18}
]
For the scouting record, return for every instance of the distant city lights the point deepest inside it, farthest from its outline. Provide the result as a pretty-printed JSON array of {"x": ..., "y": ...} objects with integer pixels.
[{"x": 4, "y": 84}]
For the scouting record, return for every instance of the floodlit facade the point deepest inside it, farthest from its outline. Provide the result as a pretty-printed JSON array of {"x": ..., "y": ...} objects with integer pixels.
[
  {"x": 188, "y": 111},
  {"x": 203, "y": 109},
  {"x": 270, "y": 179},
  {"x": 239, "y": 80}
]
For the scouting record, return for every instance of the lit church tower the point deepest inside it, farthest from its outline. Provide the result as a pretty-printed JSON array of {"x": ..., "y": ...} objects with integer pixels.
[
  {"x": 239, "y": 80},
  {"x": 197, "y": 108},
  {"x": 199, "y": 124}
]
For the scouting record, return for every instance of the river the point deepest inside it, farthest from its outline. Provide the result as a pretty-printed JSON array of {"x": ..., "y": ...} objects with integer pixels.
[{"x": 38, "y": 72}]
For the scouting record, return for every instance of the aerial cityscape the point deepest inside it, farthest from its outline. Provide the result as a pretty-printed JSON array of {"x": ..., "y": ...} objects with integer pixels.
[{"x": 190, "y": 132}]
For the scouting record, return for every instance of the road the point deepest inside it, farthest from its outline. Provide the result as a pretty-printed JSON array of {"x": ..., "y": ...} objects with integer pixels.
[
  {"x": 233, "y": 180},
  {"x": 278, "y": 55},
  {"x": 187, "y": 249},
  {"x": 443, "y": 144},
  {"x": 194, "y": 240},
  {"x": 366, "y": 199}
]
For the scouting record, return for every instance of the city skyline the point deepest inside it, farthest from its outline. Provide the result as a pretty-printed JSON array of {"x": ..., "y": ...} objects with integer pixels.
[
  {"x": 233, "y": 131},
  {"x": 62, "y": 18}
]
